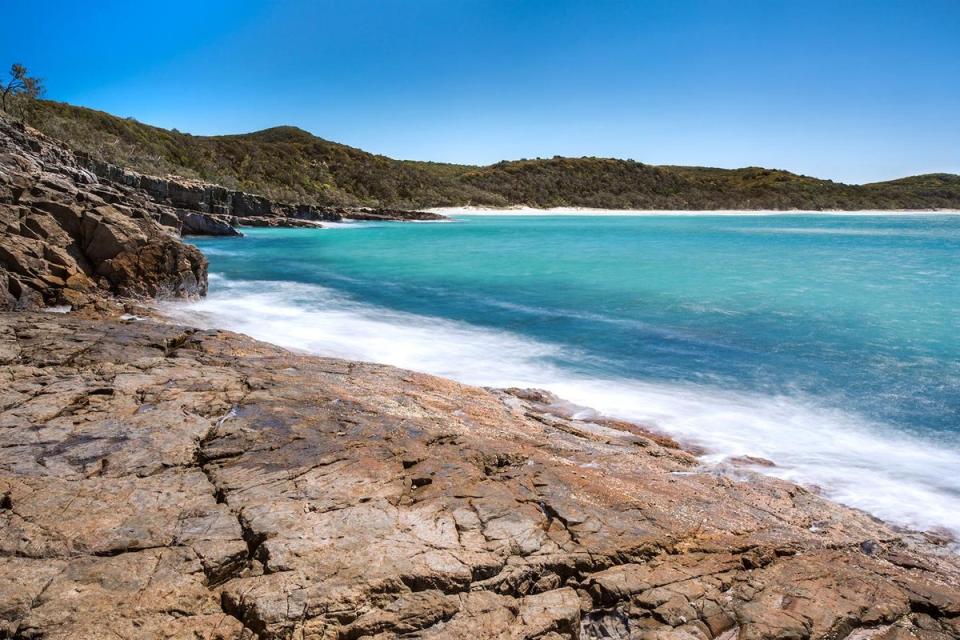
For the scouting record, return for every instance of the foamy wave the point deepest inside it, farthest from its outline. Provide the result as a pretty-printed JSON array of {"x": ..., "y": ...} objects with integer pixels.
[
  {"x": 906, "y": 481},
  {"x": 218, "y": 251},
  {"x": 351, "y": 224},
  {"x": 317, "y": 319}
]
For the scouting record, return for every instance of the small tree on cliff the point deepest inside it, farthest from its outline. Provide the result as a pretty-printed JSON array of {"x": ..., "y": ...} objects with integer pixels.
[{"x": 21, "y": 85}]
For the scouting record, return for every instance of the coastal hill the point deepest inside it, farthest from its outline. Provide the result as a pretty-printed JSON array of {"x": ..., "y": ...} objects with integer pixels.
[{"x": 292, "y": 165}]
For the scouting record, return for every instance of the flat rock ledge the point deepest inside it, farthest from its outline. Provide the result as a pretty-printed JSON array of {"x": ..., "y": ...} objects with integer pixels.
[{"x": 164, "y": 482}]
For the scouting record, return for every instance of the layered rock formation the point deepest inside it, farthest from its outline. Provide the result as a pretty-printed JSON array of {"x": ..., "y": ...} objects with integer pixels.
[
  {"x": 67, "y": 239},
  {"x": 209, "y": 209},
  {"x": 161, "y": 482}
]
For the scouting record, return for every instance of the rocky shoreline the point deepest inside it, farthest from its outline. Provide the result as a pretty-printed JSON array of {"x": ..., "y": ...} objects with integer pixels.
[
  {"x": 158, "y": 481},
  {"x": 74, "y": 231},
  {"x": 200, "y": 208}
]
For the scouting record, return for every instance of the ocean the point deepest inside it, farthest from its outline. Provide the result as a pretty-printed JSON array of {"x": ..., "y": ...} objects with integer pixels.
[{"x": 828, "y": 344}]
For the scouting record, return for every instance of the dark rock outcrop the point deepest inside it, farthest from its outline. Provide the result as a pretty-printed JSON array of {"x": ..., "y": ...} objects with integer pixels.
[
  {"x": 163, "y": 482},
  {"x": 205, "y": 209},
  {"x": 67, "y": 239},
  {"x": 192, "y": 223}
]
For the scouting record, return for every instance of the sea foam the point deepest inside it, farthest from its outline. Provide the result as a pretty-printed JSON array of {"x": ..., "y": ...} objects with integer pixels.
[{"x": 904, "y": 480}]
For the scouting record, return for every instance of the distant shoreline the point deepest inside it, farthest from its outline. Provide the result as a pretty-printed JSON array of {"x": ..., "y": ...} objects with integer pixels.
[{"x": 532, "y": 211}]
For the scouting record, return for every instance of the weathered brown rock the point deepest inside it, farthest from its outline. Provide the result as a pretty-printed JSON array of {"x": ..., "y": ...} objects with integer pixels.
[
  {"x": 65, "y": 239},
  {"x": 160, "y": 482},
  {"x": 104, "y": 217},
  {"x": 192, "y": 223}
]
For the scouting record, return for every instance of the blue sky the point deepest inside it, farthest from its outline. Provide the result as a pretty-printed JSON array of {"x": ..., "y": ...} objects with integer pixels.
[{"x": 844, "y": 89}]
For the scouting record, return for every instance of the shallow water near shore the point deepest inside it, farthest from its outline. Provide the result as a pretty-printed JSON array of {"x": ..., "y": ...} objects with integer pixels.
[{"x": 827, "y": 344}]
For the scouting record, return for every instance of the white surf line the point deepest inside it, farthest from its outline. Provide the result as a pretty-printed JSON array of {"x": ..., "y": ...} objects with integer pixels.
[{"x": 896, "y": 477}]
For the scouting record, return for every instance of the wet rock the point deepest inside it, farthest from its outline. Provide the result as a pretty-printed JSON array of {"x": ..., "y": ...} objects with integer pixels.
[
  {"x": 750, "y": 461},
  {"x": 275, "y": 222}
]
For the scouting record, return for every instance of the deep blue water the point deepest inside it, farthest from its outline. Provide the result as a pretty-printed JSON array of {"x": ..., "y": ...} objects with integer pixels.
[{"x": 828, "y": 343}]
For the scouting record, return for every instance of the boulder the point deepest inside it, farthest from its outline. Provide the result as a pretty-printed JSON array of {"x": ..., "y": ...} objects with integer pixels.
[{"x": 202, "y": 224}]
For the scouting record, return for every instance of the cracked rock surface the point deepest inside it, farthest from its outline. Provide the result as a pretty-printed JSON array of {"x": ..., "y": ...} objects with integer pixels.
[{"x": 163, "y": 482}]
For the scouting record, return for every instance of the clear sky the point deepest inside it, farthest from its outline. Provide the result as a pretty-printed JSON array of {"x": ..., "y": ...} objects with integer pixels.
[{"x": 845, "y": 89}]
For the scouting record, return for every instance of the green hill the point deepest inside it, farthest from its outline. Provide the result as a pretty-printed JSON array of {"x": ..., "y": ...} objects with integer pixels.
[{"x": 287, "y": 163}]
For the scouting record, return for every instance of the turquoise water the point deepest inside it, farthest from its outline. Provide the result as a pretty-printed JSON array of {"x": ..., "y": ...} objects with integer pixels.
[{"x": 829, "y": 344}]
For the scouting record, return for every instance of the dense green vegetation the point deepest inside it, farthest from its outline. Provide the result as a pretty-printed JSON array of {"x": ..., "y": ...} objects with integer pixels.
[{"x": 287, "y": 163}]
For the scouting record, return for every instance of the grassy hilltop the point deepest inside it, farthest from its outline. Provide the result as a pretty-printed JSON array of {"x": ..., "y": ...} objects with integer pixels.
[{"x": 287, "y": 163}]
